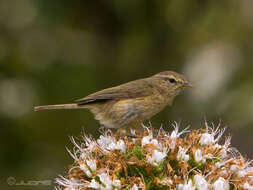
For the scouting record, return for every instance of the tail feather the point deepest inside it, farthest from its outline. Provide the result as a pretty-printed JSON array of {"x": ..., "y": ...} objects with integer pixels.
[{"x": 58, "y": 107}]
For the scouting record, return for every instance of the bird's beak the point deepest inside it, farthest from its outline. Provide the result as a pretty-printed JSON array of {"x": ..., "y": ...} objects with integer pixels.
[{"x": 188, "y": 84}]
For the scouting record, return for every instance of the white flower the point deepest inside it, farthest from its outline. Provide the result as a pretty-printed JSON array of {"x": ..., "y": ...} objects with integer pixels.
[
  {"x": 107, "y": 183},
  {"x": 68, "y": 183},
  {"x": 222, "y": 148},
  {"x": 116, "y": 183},
  {"x": 79, "y": 149},
  {"x": 220, "y": 164},
  {"x": 94, "y": 185},
  {"x": 166, "y": 181},
  {"x": 89, "y": 142},
  {"x": 174, "y": 135},
  {"x": 198, "y": 156},
  {"x": 200, "y": 182},
  {"x": 234, "y": 168},
  {"x": 105, "y": 179},
  {"x": 243, "y": 172},
  {"x": 149, "y": 140},
  {"x": 181, "y": 155},
  {"x": 208, "y": 156},
  {"x": 84, "y": 155},
  {"x": 223, "y": 153},
  {"x": 186, "y": 186},
  {"x": 221, "y": 184},
  {"x": 155, "y": 142},
  {"x": 207, "y": 139},
  {"x": 247, "y": 186},
  {"x": 104, "y": 141},
  {"x": 107, "y": 142},
  {"x": 216, "y": 132},
  {"x": 135, "y": 187},
  {"x": 84, "y": 168},
  {"x": 145, "y": 140},
  {"x": 92, "y": 164},
  {"x": 156, "y": 157},
  {"x": 119, "y": 145},
  {"x": 217, "y": 146}
]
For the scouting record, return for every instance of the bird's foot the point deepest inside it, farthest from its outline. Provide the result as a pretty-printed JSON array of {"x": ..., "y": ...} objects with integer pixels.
[
  {"x": 132, "y": 136},
  {"x": 124, "y": 133}
]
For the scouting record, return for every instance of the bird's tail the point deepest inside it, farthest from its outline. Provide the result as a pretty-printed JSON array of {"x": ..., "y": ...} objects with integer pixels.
[{"x": 58, "y": 107}]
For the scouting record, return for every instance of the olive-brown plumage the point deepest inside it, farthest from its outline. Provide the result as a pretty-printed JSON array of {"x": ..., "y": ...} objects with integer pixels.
[{"x": 129, "y": 104}]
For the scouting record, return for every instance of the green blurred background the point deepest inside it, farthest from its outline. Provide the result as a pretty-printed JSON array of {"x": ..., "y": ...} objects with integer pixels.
[{"x": 57, "y": 51}]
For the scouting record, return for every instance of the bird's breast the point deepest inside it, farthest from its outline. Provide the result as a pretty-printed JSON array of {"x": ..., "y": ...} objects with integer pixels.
[{"x": 120, "y": 113}]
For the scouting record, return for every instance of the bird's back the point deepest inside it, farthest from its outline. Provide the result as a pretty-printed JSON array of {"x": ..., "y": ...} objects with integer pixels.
[{"x": 133, "y": 89}]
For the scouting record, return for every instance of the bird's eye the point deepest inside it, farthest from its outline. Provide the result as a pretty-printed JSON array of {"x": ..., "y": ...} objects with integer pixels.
[{"x": 172, "y": 80}]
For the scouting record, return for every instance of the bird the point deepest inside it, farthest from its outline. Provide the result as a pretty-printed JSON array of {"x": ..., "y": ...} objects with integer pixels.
[{"x": 130, "y": 104}]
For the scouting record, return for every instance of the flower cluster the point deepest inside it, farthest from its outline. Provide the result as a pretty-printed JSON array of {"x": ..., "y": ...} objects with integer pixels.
[{"x": 156, "y": 159}]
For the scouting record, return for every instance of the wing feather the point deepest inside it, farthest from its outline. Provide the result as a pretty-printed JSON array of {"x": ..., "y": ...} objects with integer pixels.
[{"x": 133, "y": 89}]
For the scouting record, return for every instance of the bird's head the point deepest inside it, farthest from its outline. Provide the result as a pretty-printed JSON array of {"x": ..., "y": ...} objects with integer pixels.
[{"x": 174, "y": 82}]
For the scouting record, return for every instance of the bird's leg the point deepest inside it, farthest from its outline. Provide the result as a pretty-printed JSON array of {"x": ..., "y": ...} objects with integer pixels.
[
  {"x": 121, "y": 132},
  {"x": 132, "y": 135},
  {"x": 132, "y": 130},
  {"x": 126, "y": 130}
]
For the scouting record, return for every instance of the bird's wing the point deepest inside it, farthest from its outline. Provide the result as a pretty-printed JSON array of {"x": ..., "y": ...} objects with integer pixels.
[{"x": 134, "y": 89}]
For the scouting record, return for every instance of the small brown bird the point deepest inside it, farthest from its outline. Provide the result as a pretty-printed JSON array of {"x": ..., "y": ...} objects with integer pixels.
[{"x": 129, "y": 104}]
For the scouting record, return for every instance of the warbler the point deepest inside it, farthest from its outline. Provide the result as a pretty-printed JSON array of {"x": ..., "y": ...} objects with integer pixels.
[{"x": 130, "y": 104}]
